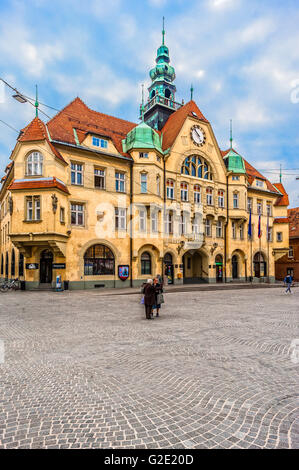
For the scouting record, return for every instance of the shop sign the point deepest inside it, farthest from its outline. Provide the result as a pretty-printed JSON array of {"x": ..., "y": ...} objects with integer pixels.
[
  {"x": 58, "y": 265},
  {"x": 123, "y": 271},
  {"x": 31, "y": 265}
]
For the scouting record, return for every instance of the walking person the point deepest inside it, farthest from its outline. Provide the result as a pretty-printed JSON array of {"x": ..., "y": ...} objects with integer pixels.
[
  {"x": 288, "y": 282},
  {"x": 149, "y": 298},
  {"x": 158, "y": 294}
]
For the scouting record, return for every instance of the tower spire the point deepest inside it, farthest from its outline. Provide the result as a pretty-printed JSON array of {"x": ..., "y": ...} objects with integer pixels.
[
  {"x": 191, "y": 91},
  {"x": 36, "y": 102},
  {"x": 142, "y": 102},
  {"x": 163, "y": 32},
  {"x": 231, "y": 134}
]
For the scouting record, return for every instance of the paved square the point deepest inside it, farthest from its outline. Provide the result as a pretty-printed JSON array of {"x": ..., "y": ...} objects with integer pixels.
[{"x": 83, "y": 369}]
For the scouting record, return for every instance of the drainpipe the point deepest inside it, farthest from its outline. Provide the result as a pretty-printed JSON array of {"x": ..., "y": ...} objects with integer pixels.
[{"x": 131, "y": 223}]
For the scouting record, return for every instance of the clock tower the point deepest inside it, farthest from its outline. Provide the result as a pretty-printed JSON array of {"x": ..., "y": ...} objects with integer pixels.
[{"x": 161, "y": 100}]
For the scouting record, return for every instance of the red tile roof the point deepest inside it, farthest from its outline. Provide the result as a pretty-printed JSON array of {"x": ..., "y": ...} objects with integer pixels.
[
  {"x": 77, "y": 115},
  {"x": 281, "y": 220},
  {"x": 38, "y": 184},
  {"x": 176, "y": 120},
  {"x": 293, "y": 215},
  {"x": 284, "y": 199},
  {"x": 35, "y": 131}
]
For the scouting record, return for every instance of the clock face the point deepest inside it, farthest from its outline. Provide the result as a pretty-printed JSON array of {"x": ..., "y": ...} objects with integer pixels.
[{"x": 198, "y": 135}]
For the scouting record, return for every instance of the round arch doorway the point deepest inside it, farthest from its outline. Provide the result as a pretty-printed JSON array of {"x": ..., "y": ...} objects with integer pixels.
[
  {"x": 235, "y": 267},
  {"x": 219, "y": 268},
  {"x": 168, "y": 268},
  {"x": 45, "y": 272}
]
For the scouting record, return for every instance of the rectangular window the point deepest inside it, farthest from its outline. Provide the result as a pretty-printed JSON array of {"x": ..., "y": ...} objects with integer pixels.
[
  {"x": 142, "y": 220},
  {"x": 158, "y": 185},
  {"x": 182, "y": 224},
  {"x": 76, "y": 173},
  {"x": 249, "y": 204},
  {"x": 120, "y": 182},
  {"x": 120, "y": 219},
  {"x": 195, "y": 226},
  {"x": 219, "y": 229},
  {"x": 143, "y": 183},
  {"x": 197, "y": 196},
  {"x": 209, "y": 197},
  {"x": 99, "y": 178},
  {"x": 33, "y": 207},
  {"x": 168, "y": 223},
  {"x": 291, "y": 252},
  {"x": 279, "y": 236},
  {"x": 154, "y": 218},
  {"x": 184, "y": 192},
  {"x": 221, "y": 198},
  {"x": 259, "y": 206},
  {"x": 236, "y": 201},
  {"x": 269, "y": 209},
  {"x": 234, "y": 232},
  {"x": 269, "y": 234},
  {"x": 143, "y": 155},
  {"x": 241, "y": 231},
  {"x": 77, "y": 214},
  {"x": 62, "y": 215},
  {"x": 235, "y": 178},
  {"x": 208, "y": 227},
  {"x": 170, "y": 189}
]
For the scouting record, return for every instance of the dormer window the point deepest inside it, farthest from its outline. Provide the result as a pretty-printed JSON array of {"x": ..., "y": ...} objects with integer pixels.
[
  {"x": 259, "y": 183},
  {"x": 97, "y": 142},
  {"x": 143, "y": 155},
  {"x": 34, "y": 165}
]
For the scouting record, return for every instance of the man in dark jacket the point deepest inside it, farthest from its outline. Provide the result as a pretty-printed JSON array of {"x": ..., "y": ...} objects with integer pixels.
[
  {"x": 288, "y": 282},
  {"x": 149, "y": 298}
]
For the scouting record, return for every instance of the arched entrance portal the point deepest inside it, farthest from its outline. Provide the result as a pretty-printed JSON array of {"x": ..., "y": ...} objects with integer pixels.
[
  {"x": 219, "y": 268},
  {"x": 259, "y": 265},
  {"x": 195, "y": 267},
  {"x": 235, "y": 267},
  {"x": 168, "y": 268},
  {"x": 45, "y": 272}
]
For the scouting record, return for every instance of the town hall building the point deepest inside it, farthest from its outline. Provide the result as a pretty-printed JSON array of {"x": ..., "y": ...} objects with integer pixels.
[{"x": 104, "y": 202}]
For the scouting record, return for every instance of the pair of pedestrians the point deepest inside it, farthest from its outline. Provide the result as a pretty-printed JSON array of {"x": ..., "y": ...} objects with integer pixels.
[{"x": 153, "y": 297}]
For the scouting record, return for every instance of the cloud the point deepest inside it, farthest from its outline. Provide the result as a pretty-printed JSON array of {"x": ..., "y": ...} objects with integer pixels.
[{"x": 222, "y": 4}]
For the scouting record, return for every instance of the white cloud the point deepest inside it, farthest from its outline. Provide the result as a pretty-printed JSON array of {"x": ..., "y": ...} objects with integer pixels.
[{"x": 222, "y": 4}]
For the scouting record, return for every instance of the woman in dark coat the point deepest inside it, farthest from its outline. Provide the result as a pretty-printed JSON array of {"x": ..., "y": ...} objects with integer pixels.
[
  {"x": 149, "y": 298},
  {"x": 158, "y": 290}
]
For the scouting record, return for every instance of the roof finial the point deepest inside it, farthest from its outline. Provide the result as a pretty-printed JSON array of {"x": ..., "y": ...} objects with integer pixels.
[
  {"x": 231, "y": 134},
  {"x": 280, "y": 175},
  {"x": 163, "y": 32},
  {"x": 191, "y": 91},
  {"x": 36, "y": 102}
]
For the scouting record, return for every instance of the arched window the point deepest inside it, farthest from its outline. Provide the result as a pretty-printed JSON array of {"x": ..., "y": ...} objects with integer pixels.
[
  {"x": 153, "y": 93},
  {"x": 34, "y": 165},
  {"x": 146, "y": 263},
  {"x": 167, "y": 93},
  {"x": 98, "y": 260},
  {"x": 6, "y": 265},
  {"x": 21, "y": 265},
  {"x": 13, "y": 263},
  {"x": 198, "y": 167}
]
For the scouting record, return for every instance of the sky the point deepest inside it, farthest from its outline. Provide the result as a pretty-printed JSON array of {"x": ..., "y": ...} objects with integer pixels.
[{"x": 241, "y": 56}]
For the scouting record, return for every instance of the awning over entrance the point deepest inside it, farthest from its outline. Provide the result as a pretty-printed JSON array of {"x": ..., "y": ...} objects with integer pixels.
[{"x": 53, "y": 241}]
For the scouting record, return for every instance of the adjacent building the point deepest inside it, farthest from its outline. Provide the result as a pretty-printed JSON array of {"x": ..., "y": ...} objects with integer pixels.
[
  {"x": 104, "y": 202},
  {"x": 289, "y": 263}
]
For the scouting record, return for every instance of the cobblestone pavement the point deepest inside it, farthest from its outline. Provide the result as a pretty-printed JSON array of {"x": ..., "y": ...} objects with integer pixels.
[{"x": 86, "y": 370}]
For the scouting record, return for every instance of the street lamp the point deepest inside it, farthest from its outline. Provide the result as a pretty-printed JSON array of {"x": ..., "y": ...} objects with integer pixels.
[{"x": 20, "y": 98}]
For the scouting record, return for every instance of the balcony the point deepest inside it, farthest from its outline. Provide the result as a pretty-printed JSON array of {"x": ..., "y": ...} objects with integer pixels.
[{"x": 168, "y": 103}]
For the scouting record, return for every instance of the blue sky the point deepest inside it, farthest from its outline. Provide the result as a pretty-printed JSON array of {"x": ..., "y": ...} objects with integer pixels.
[{"x": 242, "y": 57}]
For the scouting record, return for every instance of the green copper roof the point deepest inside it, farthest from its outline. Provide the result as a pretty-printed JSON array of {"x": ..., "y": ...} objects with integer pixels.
[
  {"x": 234, "y": 162},
  {"x": 142, "y": 137}
]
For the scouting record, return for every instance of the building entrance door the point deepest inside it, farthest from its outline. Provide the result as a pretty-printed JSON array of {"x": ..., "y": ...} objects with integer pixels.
[
  {"x": 219, "y": 268},
  {"x": 168, "y": 268},
  {"x": 46, "y": 261},
  {"x": 235, "y": 267}
]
